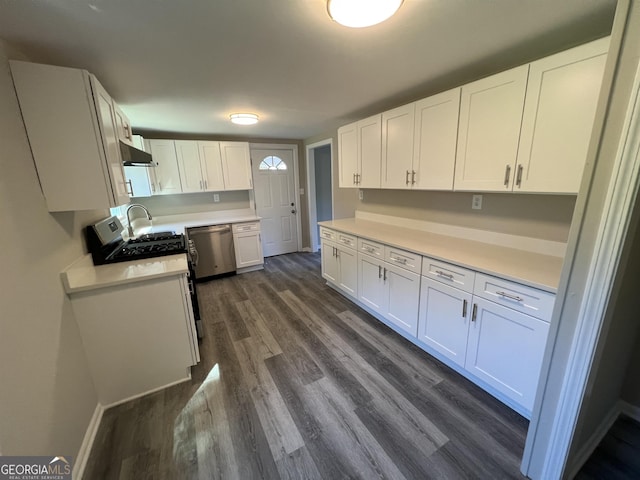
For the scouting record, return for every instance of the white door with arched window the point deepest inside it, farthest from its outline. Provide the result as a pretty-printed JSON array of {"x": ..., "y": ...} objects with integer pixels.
[{"x": 276, "y": 200}]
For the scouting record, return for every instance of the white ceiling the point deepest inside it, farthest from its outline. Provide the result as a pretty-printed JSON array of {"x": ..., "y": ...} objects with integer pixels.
[{"x": 184, "y": 66}]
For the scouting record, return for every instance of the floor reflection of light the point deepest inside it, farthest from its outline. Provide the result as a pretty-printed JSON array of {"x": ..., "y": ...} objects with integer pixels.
[{"x": 197, "y": 403}]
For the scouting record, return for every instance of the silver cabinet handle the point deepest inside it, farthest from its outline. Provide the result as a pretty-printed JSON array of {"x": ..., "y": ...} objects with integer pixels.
[
  {"x": 201, "y": 188},
  {"x": 413, "y": 177},
  {"x": 511, "y": 297},
  {"x": 474, "y": 313},
  {"x": 160, "y": 186},
  {"x": 464, "y": 308},
  {"x": 368, "y": 249},
  {"x": 384, "y": 277},
  {"x": 444, "y": 274},
  {"x": 379, "y": 271},
  {"x": 342, "y": 240},
  {"x": 130, "y": 192},
  {"x": 354, "y": 179},
  {"x": 519, "y": 177},
  {"x": 402, "y": 261},
  {"x": 407, "y": 178},
  {"x": 507, "y": 174}
]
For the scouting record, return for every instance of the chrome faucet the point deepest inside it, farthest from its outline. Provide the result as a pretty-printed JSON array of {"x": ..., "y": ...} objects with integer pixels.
[{"x": 133, "y": 205}]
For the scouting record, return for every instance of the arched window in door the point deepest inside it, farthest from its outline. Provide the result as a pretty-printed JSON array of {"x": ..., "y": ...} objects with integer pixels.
[{"x": 272, "y": 163}]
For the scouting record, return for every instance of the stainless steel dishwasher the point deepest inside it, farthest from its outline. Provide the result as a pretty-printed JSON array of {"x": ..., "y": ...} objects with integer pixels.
[{"x": 214, "y": 247}]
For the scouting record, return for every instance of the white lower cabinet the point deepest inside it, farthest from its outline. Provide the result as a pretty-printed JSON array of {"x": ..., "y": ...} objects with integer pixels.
[
  {"x": 340, "y": 266},
  {"x": 490, "y": 329},
  {"x": 247, "y": 243},
  {"x": 389, "y": 290},
  {"x": 505, "y": 350},
  {"x": 445, "y": 313},
  {"x": 138, "y": 337}
]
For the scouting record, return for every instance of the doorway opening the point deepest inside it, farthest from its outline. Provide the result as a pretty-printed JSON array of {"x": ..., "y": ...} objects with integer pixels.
[{"x": 320, "y": 187}]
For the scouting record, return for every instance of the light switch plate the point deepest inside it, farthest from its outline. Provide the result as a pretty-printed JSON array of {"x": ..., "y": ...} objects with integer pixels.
[
  {"x": 476, "y": 202},
  {"x": 302, "y": 191},
  {"x": 216, "y": 197},
  {"x": 361, "y": 195}
]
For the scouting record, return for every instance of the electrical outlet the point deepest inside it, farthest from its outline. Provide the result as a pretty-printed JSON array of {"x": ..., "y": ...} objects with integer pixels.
[
  {"x": 216, "y": 197},
  {"x": 476, "y": 202},
  {"x": 361, "y": 195}
]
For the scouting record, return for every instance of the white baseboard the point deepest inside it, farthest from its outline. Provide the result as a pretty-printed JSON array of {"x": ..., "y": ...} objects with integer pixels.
[
  {"x": 529, "y": 244},
  {"x": 87, "y": 442},
  {"x": 630, "y": 410},
  {"x": 589, "y": 447},
  {"x": 307, "y": 250},
  {"x": 148, "y": 392}
]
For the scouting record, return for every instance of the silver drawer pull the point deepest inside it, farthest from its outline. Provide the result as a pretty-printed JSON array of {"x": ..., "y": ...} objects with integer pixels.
[
  {"x": 512, "y": 297},
  {"x": 345, "y": 240},
  {"x": 445, "y": 274},
  {"x": 403, "y": 261},
  {"x": 369, "y": 249}
]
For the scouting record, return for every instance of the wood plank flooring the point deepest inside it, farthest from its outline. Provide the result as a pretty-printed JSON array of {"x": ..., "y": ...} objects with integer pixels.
[
  {"x": 296, "y": 382},
  {"x": 616, "y": 458}
]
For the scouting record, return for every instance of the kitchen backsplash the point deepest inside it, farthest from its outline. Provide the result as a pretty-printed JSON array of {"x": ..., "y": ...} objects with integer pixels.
[{"x": 160, "y": 205}]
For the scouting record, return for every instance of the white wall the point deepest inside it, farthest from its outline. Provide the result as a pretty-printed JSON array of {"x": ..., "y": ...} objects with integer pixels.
[{"x": 47, "y": 395}]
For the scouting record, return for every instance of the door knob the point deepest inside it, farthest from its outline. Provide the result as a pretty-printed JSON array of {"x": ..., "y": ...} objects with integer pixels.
[{"x": 293, "y": 210}]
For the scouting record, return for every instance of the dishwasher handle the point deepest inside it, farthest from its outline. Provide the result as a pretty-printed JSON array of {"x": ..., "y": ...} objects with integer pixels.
[{"x": 211, "y": 229}]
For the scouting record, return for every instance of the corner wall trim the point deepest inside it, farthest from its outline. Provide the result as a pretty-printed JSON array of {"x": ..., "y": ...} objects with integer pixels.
[
  {"x": 87, "y": 442},
  {"x": 630, "y": 411},
  {"x": 596, "y": 437}
]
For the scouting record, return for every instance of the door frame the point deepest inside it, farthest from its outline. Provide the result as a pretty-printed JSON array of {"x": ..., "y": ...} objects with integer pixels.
[
  {"x": 311, "y": 189},
  {"x": 296, "y": 179}
]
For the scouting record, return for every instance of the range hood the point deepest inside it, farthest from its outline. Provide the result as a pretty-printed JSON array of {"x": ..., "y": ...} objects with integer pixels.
[{"x": 133, "y": 157}]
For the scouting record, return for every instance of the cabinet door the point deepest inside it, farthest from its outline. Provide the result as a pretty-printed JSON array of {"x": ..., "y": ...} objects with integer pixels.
[
  {"x": 397, "y": 147},
  {"x": 562, "y": 96},
  {"x": 189, "y": 166},
  {"x": 505, "y": 350},
  {"x": 348, "y": 155},
  {"x": 138, "y": 180},
  {"x": 166, "y": 171},
  {"x": 106, "y": 119},
  {"x": 436, "y": 133},
  {"x": 348, "y": 262},
  {"x": 330, "y": 267},
  {"x": 371, "y": 286},
  {"x": 248, "y": 247},
  {"x": 403, "y": 290},
  {"x": 211, "y": 166},
  {"x": 444, "y": 319},
  {"x": 123, "y": 126},
  {"x": 489, "y": 129},
  {"x": 236, "y": 165},
  {"x": 369, "y": 152}
]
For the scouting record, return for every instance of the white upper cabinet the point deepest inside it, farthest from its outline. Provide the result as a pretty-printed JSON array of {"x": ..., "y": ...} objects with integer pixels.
[
  {"x": 348, "y": 155},
  {"x": 123, "y": 126},
  {"x": 369, "y": 152},
  {"x": 189, "y": 166},
  {"x": 236, "y": 165},
  {"x": 359, "y": 153},
  {"x": 138, "y": 181},
  {"x": 211, "y": 166},
  {"x": 489, "y": 131},
  {"x": 562, "y": 95},
  {"x": 436, "y": 133},
  {"x": 166, "y": 170},
  {"x": 69, "y": 120},
  {"x": 397, "y": 147}
]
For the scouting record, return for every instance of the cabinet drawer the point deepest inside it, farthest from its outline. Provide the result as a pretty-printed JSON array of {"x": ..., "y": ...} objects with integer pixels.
[
  {"x": 402, "y": 258},
  {"x": 327, "y": 233},
  {"x": 449, "y": 274},
  {"x": 524, "y": 299},
  {"x": 346, "y": 240},
  {"x": 374, "y": 249},
  {"x": 246, "y": 227}
]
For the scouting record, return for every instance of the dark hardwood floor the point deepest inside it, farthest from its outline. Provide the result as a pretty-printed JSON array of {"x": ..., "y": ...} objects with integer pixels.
[
  {"x": 296, "y": 382},
  {"x": 618, "y": 455}
]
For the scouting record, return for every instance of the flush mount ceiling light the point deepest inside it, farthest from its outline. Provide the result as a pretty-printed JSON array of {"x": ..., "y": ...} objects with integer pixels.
[
  {"x": 362, "y": 13},
  {"x": 244, "y": 118}
]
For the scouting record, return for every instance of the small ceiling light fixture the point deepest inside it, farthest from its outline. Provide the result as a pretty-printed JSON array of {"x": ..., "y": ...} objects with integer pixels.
[
  {"x": 244, "y": 118},
  {"x": 362, "y": 13}
]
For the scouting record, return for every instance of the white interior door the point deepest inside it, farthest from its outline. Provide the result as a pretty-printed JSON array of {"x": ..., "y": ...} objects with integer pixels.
[{"x": 276, "y": 202}]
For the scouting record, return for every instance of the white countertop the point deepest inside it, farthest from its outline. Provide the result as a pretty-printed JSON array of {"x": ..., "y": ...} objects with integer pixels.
[
  {"x": 533, "y": 269},
  {"x": 83, "y": 275},
  {"x": 179, "y": 223}
]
